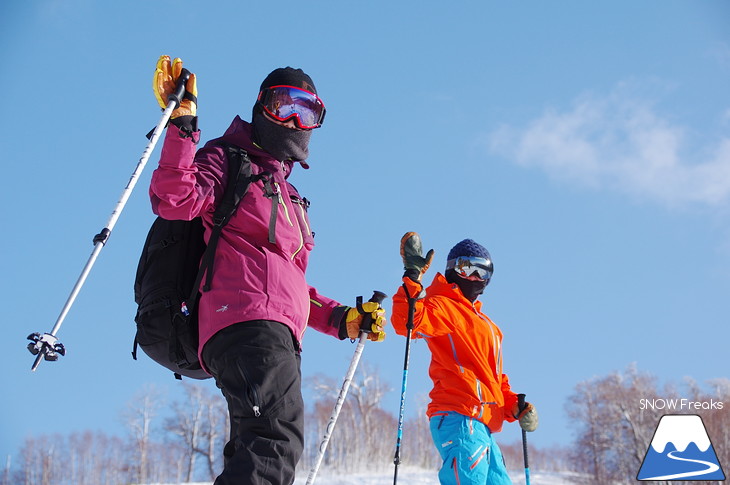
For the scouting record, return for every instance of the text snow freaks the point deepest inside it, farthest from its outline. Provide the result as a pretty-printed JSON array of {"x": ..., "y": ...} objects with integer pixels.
[{"x": 679, "y": 404}]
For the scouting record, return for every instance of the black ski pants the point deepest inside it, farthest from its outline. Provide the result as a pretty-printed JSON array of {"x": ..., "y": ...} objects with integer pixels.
[{"x": 257, "y": 367}]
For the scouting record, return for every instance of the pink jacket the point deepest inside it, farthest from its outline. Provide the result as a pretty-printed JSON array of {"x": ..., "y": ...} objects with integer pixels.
[{"x": 253, "y": 278}]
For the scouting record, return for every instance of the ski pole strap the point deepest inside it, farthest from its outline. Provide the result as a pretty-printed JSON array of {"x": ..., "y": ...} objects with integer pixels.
[{"x": 411, "y": 308}]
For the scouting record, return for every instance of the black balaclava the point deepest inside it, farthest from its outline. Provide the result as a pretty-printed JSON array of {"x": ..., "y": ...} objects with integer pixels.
[
  {"x": 279, "y": 141},
  {"x": 469, "y": 288}
]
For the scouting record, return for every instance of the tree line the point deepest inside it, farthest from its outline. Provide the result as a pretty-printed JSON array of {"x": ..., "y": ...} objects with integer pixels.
[{"x": 614, "y": 419}]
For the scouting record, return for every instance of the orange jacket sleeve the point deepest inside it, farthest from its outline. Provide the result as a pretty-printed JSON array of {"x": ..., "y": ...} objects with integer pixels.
[{"x": 428, "y": 318}]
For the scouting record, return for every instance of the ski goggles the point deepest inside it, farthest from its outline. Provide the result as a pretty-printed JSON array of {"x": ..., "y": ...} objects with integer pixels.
[
  {"x": 284, "y": 103},
  {"x": 470, "y": 267}
]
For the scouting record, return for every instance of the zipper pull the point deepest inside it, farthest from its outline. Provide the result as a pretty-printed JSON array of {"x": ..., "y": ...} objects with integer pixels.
[
  {"x": 277, "y": 193},
  {"x": 256, "y": 411}
]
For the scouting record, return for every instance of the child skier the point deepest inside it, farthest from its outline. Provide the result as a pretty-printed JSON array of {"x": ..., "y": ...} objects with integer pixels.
[{"x": 471, "y": 396}]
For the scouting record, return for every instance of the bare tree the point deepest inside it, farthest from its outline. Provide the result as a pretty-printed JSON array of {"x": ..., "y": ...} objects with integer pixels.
[
  {"x": 201, "y": 422},
  {"x": 368, "y": 420},
  {"x": 616, "y": 425},
  {"x": 715, "y": 414},
  {"x": 357, "y": 441},
  {"x": 139, "y": 415},
  {"x": 6, "y": 472},
  {"x": 613, "y": 430},
  {"x": 417, "y": 445},
  {"x": 186, "y": 423},
  {"x": 215, "y": 432}
]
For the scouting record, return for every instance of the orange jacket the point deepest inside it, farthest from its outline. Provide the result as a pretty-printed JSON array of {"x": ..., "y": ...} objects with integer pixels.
[{"x": 466, "y": 352}]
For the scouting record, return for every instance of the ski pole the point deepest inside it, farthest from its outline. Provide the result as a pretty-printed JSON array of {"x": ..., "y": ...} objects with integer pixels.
[
  {"x": 520, "y": 406},
  {"x": 377, "y": 297},
  {"x": 47, "y": 345},
  {"x": 409, "y": 327}
]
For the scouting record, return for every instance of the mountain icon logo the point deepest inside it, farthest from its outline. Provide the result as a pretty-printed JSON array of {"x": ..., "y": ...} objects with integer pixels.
[{"x": 681, "y": 450}]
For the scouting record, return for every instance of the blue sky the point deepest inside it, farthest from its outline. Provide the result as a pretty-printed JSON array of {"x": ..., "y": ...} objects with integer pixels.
[{"x": 585, "y": 144}]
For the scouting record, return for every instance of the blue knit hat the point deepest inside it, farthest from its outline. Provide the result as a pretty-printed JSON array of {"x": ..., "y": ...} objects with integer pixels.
[
  {"x": 471, "y": 289},
  {"x": 468, "y": 247}
]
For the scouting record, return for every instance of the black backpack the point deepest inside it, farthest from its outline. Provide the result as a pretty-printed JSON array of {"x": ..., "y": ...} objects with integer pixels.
[{"x": 173, "y": 263}]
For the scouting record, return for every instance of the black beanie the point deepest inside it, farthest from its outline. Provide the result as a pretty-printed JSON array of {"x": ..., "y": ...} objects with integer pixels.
[{"x": 288, "y": 76}]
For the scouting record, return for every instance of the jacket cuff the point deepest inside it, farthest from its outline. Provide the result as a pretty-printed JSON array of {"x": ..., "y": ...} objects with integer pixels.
[
  {"x": 413, "y": 288},
  {"x": 338, "y": 319},
  {"x": 413, "y": 274},
  {"x": 188, "y": 126}
]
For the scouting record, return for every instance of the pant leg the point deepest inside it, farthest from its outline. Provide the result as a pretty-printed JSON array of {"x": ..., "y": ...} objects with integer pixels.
[
  {"x": 497, "y": 468},
  {"x": 257, "y": 368},
  {"x": 470, "y": 455}
]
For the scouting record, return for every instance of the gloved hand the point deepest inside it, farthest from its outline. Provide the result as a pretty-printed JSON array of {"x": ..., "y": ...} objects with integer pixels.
[
  {"x": 164, "y": 82},
  {"x": 527, "y": 417},
  {"x": 353, "y": 320},
  {"x": 412, "y": 253}
]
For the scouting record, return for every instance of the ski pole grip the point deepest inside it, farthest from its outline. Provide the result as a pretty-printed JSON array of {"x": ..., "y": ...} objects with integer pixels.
[
  {"x": 521, "y": 402},
  {"x": 177, "y": 96},
  {"x": 367, "y": 318}
]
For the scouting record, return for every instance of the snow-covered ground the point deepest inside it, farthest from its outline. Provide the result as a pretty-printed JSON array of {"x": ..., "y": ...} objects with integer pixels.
[
  {"x": 417, "y": 476},
  {"x": 413, "y": 476}
]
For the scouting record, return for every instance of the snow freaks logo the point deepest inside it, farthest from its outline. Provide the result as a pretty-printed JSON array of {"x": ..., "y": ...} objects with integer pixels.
[{"x": 680, "y": 450}]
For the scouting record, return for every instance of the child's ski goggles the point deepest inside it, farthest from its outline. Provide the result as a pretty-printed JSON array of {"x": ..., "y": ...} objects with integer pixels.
[
  {"x": 471, "y": 266},
  {"x": 287, "y": 102}
]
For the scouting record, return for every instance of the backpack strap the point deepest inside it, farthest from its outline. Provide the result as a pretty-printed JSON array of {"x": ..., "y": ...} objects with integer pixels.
[{"x": 239, "y": 180}]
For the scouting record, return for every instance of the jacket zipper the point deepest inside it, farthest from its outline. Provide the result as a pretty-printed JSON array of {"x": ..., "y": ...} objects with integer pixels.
[
  {"x": 303, "y": 204},
  {"x": 281, "y": 201},
  {"x": 496, "y": 346}
]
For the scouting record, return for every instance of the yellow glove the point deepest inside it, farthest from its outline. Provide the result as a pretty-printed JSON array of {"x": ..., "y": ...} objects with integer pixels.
[
  {"x": 164, "y": 83},
  {"x": 353, "y": 320}
]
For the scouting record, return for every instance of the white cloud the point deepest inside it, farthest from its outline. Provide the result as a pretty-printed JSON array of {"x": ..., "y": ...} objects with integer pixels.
[{"x": 620, "y": 143}]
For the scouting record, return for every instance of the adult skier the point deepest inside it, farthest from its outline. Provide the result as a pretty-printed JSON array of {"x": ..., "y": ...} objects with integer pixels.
[
  {"x": 252, "y": 319},
  {"x": 471, "y": 395}
]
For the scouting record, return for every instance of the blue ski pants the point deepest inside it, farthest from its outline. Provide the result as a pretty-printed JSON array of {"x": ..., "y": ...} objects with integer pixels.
[{"x": 470, "y": 454}]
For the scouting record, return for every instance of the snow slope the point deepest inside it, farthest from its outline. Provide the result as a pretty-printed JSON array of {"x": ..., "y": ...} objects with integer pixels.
[
  {"x": 416, "y": 476},
  {"x": 412, "y": 476}
]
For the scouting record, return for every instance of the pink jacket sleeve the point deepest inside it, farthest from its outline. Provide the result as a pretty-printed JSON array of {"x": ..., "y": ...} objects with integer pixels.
[
  {"x": 325, "y": 314},
  {"x": 181, "y": 189}
]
